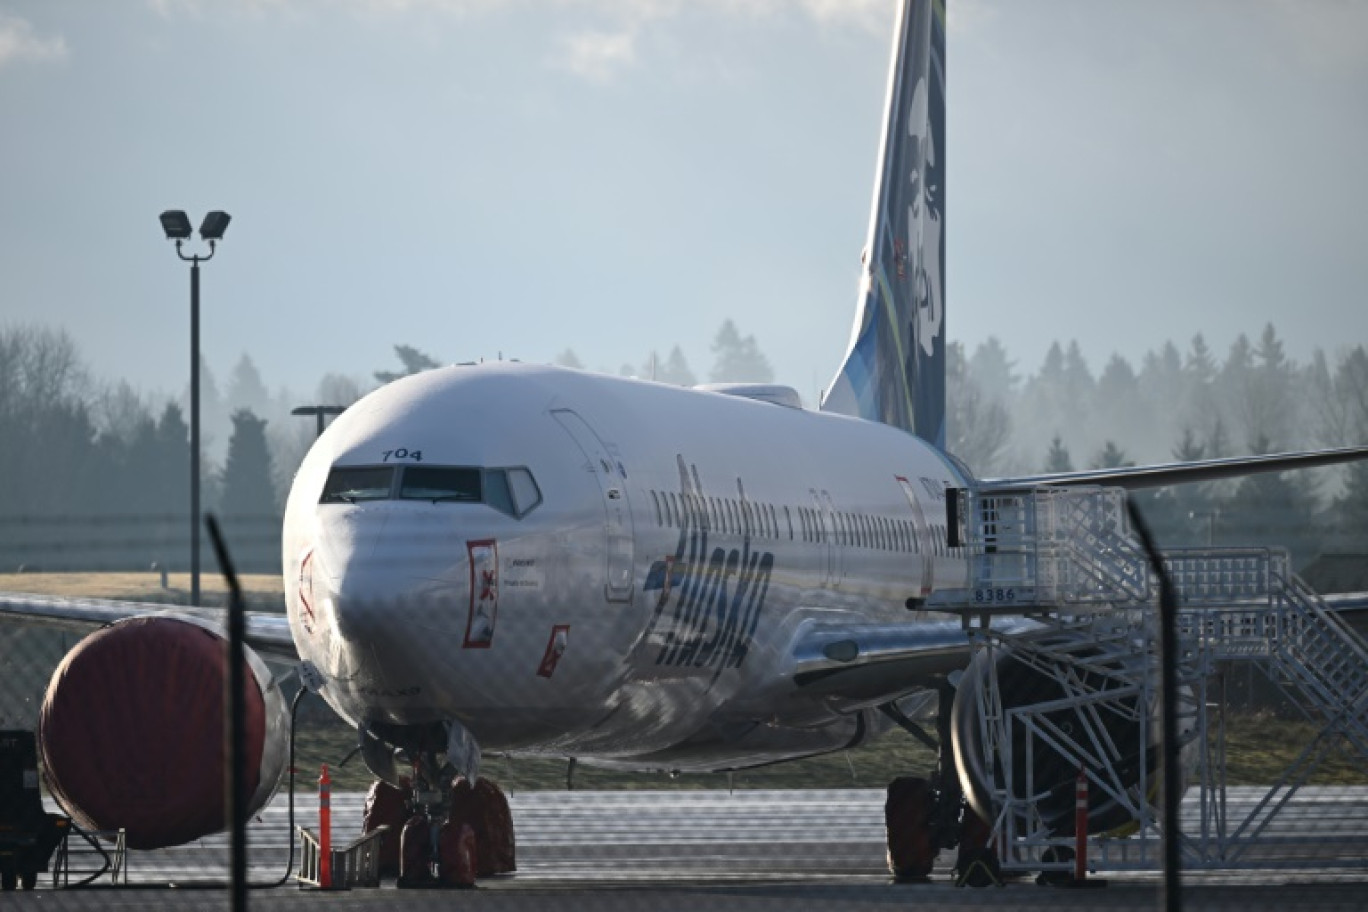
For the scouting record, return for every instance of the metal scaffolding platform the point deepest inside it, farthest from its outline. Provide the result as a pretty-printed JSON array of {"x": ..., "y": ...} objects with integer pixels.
[{"x": 1066, "y": 558}]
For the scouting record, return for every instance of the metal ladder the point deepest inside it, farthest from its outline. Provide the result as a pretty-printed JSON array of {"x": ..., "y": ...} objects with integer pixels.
[
  {"x": 1246, "y": 604},
  {"x": 1066, "y": 557}
]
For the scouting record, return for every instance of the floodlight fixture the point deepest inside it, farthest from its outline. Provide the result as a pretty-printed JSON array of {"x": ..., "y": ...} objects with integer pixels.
[
  {"x": 214, "y": 224},
  {"x": 176, "y": 224},
  {"x": 320, "y": 412}
]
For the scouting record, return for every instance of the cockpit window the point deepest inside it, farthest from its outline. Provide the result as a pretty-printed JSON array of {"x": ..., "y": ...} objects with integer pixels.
[
  {"x": 350, "y": 484},
  {"x": 496, "y": 491},
  {"x": 441, "y": 483},
  {"x": 524, "y": 490},
  {"x": 510, "y": 491}
]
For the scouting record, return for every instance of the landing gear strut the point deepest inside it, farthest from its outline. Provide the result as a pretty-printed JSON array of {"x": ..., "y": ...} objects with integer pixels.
[{"x": 922, "y": 815}]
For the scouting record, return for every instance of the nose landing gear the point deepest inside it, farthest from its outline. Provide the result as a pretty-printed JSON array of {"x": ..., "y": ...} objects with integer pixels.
[{"x": 447, "y": 826}]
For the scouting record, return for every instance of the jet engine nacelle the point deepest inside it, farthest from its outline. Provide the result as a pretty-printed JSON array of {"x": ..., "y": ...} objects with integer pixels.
[
  {"x": 132, "y": 730},
  {"x": 1075, "y": 699}
]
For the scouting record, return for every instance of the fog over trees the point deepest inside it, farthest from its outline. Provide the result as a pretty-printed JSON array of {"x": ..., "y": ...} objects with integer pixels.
[
  {"x": 1181, "y": 405},
  {"x": 413, "y": 360},
  {"x": 96, "y": 473},
  {"x": 738, "y": 358}
]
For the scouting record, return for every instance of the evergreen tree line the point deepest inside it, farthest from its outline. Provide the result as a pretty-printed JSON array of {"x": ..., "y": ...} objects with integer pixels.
[
  {"x": 97, "y": 476},
  {"x": 736, "y": 359},
  {"x": 1181, "y": 406}
]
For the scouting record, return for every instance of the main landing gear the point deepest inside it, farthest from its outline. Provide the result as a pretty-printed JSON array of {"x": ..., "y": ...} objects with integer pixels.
[{"x": 922, "y": 816}]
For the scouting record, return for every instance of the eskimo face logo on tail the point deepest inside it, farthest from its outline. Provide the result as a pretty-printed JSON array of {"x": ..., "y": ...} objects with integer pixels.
[
  {"x": 924, "y": 221},
  {"x": 710, "y": 595}
]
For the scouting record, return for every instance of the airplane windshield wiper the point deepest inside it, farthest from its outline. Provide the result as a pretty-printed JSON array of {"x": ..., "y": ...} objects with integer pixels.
[{"x": 454, "y": 497}]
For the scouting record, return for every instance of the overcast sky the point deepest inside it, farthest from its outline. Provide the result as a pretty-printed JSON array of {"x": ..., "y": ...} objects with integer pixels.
[{"x": 522, "y": 176}]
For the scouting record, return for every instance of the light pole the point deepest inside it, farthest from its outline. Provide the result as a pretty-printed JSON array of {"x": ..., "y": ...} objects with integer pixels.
[
  {"x": 177, "y": 227},
  {"x": 320, "y": 412}
]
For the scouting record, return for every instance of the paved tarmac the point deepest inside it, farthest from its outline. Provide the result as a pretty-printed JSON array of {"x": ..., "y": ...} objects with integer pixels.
[{"x": 751, "y": 850}]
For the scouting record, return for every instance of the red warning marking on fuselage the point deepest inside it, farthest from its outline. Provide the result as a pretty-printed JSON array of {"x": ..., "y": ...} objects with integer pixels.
[
  {"x": 555, "y": 648},
  {"x": 483, "y": 556},
  {"x": 306, "y": 590}
]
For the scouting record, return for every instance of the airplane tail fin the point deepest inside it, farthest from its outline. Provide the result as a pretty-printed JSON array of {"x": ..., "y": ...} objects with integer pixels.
[{"x": 894, "y": 371}]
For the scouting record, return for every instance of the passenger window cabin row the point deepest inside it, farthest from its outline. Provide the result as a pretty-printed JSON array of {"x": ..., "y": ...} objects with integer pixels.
[{"x": 729, "y": 516}]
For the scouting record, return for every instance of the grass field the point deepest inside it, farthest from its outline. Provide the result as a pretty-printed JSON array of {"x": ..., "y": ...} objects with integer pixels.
[
  {"x": 263, "y": 591},
  {"x": 1258, "y": 749},
  {"x": 868, "y": 767}
]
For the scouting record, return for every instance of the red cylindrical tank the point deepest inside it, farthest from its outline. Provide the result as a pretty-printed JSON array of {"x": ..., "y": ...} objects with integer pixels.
[{"x": 132, "y": 731}]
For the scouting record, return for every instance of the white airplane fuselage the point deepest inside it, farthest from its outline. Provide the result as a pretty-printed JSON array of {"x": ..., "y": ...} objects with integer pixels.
[{"x": 642, "y": 610}]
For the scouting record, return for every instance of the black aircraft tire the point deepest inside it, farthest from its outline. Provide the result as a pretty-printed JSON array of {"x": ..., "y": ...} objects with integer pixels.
[
  {"x": 29, "y": 879},
  {"x": 907, "y": 820},
  {"x": 8, "y": 881}
]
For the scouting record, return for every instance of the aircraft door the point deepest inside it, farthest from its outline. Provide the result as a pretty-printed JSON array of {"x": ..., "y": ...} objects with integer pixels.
[
  {"x": 612, "y": 481},
  {"x": 830, "y": 534},
  {"x": 922, "y": 534}
]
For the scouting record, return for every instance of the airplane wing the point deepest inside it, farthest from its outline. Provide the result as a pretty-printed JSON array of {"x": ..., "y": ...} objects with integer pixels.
[
  {"x": 1173, "y": 473},
  {"x": 1347, "y": 603},
  {"x": 875, "y": 663},
  {"x": 880, "y": 662},
  {"x": 267, "y": 633}
]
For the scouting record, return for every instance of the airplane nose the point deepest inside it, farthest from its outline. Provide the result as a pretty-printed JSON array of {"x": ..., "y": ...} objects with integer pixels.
[
  {"x": 386, "y": 589},
  {"x": 346, "y": 549},
  {"x": 363, "y": 596}
]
